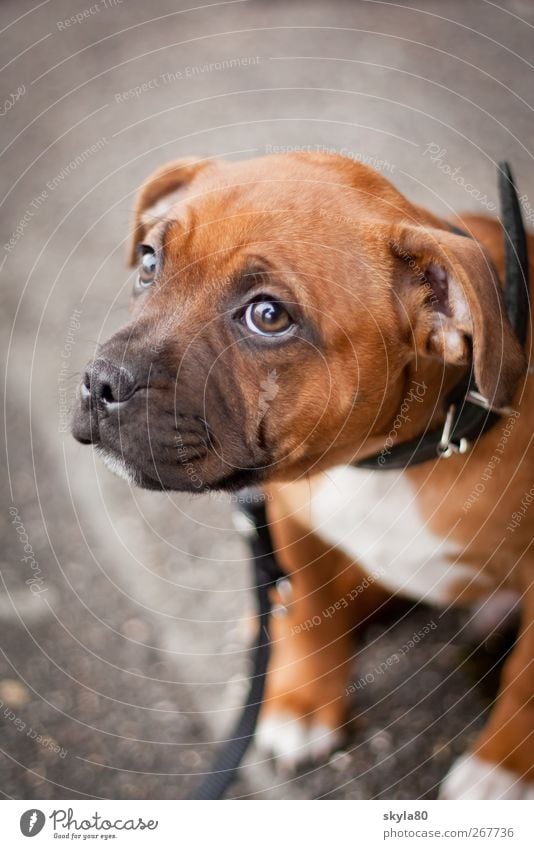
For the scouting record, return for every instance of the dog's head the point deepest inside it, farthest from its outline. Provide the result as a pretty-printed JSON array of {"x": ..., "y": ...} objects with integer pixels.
[{"x": 277, "y": 308}]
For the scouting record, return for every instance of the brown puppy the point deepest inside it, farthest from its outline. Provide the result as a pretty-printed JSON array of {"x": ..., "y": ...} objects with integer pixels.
[{"x": 291, "y": 314}]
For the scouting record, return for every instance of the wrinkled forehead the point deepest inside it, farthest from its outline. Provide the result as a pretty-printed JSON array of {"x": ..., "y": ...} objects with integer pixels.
[
  {"x": 289, "y": 214},
  {"x": 310, "y": 233}
]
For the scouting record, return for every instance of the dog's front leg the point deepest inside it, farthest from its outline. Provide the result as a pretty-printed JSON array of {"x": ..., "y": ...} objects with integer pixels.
[
  {"x": 304, "y": 714},
  {"x": 501, "y": 763}
]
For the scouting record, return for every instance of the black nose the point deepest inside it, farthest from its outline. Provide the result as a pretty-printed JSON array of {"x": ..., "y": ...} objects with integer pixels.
[{"x": 107, "y": 383}]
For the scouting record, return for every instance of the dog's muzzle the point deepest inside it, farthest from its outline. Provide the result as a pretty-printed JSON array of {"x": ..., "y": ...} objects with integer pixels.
[
  {"x": 149, "y": 420},
  {"x": 114, "y": 412}
]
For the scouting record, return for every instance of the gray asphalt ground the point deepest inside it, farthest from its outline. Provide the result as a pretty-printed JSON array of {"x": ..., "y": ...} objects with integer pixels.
[{"x": 125, "y": 657}]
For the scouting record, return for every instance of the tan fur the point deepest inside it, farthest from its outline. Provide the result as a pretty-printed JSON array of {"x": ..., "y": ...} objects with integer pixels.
[{"x": 352, "y": 250}]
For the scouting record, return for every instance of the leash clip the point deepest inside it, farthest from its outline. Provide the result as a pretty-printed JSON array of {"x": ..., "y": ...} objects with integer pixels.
[
  {"x": 447, "y": 448},
  {"x": 285, "y": 591},
  {"x": 244, "y": 524}
]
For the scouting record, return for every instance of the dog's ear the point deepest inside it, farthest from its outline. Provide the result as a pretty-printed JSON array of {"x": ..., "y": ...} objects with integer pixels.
[
  {"x": 453, "y": 300},
  {"x": 157, "y": 195}
]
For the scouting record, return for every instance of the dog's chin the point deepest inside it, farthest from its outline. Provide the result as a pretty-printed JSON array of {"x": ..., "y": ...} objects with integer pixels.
[
  {"x": 134, "y": 476},
  {"x": 126, "y": 471}
]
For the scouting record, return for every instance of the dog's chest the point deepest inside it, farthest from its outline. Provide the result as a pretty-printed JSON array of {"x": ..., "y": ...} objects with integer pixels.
[{"x": 373, "y": 517}]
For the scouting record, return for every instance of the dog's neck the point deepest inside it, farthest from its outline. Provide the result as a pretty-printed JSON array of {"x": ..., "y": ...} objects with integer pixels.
[{"x": 423, "y": 406}]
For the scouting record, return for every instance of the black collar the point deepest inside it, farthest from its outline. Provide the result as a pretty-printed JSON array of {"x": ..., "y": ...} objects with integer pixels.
[{"x": 468, "y": 414}]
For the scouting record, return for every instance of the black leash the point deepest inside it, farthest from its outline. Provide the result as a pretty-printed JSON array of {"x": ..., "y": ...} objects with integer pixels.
[
  {"x": 467, "y": 419},
  {"x": 266, "y": 574},
  {"x": 516, "y": 292}
]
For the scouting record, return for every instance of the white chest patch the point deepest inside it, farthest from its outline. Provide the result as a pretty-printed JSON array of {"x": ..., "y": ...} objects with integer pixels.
[
  {"x": 373, "y": 517},
  {"x": 473, "y": 778}
]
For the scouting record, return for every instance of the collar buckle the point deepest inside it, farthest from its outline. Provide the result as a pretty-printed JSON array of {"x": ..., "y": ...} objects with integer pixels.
[{"x": 447, "y": 447}]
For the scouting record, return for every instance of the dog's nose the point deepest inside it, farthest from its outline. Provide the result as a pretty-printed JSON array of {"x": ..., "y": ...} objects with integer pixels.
[{"x": 107, "y": 384}]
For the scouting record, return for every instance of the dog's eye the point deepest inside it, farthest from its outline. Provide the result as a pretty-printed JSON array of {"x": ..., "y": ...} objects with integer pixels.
[
  {"x": 147, "y": 269},
  {"x": 268, "y": 318}
]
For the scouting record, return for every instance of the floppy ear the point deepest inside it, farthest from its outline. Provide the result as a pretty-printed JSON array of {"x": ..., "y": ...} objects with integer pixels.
[
  {"x": 157, "y": 195},
  {"x": 455, "y": 303}
]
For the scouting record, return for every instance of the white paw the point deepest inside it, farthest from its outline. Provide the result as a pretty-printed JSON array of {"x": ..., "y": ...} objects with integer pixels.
[
  {"x": 293, "y": 740},
  {"x": 472, "y": 778}
]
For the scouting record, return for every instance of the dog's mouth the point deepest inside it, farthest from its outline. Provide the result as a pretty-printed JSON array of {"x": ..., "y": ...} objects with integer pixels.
[
  {"x": 150, "y": 445},
  {"x": 158, "y": 434},
  {"x": 168, "y": 479}
]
